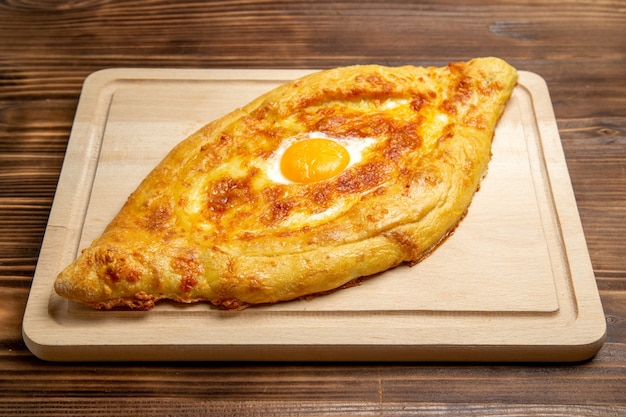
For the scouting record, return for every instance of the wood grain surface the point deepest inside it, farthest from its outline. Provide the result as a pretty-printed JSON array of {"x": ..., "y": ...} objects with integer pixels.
[{"x": 48, "y": 47}]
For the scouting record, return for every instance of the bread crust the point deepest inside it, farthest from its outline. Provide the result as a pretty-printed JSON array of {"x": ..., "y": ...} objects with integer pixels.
[{"x": 207, "y": 224}]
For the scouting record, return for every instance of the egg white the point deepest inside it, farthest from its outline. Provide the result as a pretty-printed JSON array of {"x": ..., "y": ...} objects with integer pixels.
[{"x": 354, "y": 146}]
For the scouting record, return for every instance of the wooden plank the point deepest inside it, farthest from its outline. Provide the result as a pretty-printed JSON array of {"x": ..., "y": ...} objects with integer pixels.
[{"x": 513, "y": 283}]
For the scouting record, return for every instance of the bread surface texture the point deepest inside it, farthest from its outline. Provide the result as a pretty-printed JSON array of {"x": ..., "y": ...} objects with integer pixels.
[{"x": 217, "y": 220}]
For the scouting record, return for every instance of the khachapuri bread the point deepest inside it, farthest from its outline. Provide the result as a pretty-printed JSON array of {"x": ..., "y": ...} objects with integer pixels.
[{"x": 341, "y": 174}]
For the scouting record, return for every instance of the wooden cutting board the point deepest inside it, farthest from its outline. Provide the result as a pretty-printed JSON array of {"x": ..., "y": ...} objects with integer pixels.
[{"x": 514, "y": 282}]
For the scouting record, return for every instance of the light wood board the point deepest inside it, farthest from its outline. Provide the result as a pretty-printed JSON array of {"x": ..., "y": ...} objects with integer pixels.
[{"x": 514, "y": 282}]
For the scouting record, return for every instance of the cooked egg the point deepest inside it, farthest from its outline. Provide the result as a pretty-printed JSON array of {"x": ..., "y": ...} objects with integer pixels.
[
  {"x": 315, "y": 157},
  {"x": 313, "y": 160}
]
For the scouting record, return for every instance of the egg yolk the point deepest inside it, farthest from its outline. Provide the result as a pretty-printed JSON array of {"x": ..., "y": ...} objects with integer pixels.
[{"x": 312, "y": 160}]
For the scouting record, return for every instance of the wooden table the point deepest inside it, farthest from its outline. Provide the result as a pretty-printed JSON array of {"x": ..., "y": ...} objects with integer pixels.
[{"x": 47, "y": 48}]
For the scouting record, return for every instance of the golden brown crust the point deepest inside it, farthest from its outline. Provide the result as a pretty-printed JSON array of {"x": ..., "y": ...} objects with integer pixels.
[{"x": 209, "y": 224}]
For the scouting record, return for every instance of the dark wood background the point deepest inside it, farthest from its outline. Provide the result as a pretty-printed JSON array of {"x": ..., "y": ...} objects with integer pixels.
[{"x": 48, "y": 47}]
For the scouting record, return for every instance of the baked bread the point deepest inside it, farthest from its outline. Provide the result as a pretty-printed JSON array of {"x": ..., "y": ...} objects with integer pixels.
[{"x": 338, "y": 175}]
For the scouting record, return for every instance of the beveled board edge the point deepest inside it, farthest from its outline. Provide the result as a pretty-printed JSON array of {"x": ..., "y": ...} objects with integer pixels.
[{"x": 44, "y": 335}]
